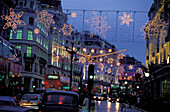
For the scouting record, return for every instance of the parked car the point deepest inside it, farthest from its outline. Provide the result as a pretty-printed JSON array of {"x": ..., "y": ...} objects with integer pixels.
[
  {"x": 7, "y": 108},
  {"x": 31, "y": 100},
  {"x": 7, "y": 100},
  {"x": 60, "y": 101}
]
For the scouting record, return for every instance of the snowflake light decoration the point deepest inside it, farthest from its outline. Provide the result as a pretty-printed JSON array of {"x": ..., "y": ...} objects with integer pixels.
[
  {"x": 45, "y": 18},
  {"x": 109, "y": 71},
  {"x": 82, "y": 59},
  {"x": 139, "y": 70},
  {"x": 126, "y": 19},
  {"x": 110, "y": 60},
  {"x": 67, "y": 29},
  {"x": 13, "y": 20},
  {"x": 120, "y": 56},
  {"x": 98, "y": 25},
  {"x": 130, "y": 67}
]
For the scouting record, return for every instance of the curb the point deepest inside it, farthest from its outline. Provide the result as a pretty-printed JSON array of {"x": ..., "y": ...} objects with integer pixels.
[{"x": 135, "y": 107}]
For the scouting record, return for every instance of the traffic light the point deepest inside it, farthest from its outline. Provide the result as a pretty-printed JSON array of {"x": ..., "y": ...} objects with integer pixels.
[{"x": 90, "y": 76}]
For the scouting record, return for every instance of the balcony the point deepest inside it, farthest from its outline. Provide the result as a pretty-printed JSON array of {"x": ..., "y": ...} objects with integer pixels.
[{"x": 29, "y": 56}]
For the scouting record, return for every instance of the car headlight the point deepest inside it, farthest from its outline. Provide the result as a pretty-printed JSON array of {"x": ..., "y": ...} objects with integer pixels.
[
  {"x": 117, "y": 99},
  {"x": 94, "y": 96},
  {"x": 99, "y": 97}
]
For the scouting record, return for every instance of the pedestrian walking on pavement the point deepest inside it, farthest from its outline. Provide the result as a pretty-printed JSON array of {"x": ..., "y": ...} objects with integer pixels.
[{"x": 85, "y": 105}]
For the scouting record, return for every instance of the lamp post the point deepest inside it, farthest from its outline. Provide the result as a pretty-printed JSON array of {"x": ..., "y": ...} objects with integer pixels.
[{"x": 72, "y": 53}]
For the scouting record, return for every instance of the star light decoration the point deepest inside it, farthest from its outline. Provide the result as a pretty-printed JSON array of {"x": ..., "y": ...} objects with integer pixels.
[
  {"x": 13, "y": 20},
  {"x": 126, "y": 19},
  {"x": 98, "y": 25},
  {"x": 110, "y": 60},
  {"x": 67, "y": 29},
  {"x": 130, "y": 67},
  {"x": 139, "y": 70},
  {"x": 45, "y": 18}
]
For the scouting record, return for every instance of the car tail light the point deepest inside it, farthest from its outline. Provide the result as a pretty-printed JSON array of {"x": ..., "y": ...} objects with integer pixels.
[
  {"x": 20, "y": 103},
  {"x": 38, "y": 102},
  {"x": 60, "y": 103}
]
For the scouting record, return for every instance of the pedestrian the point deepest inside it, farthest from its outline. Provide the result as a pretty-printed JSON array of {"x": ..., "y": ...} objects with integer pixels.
[
  {"x": 122, "y": 101},
  {"x": 85, "y": 105}
]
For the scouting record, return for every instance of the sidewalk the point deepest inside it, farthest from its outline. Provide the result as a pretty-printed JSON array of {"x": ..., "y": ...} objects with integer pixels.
[{"x": 130, "y": 106}]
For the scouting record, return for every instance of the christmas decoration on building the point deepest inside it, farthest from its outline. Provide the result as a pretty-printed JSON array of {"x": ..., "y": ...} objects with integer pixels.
[
  {"x": 67, "y": 29},
  {"x": 120, "y": 56},
  {"x": 109, "y": 70},
  {"x": 139, "y": 70},
  {"x": 36, "y": 31},
  {"x": 126, "y": 19},
  {"x": 45, "y": 18},
  {"x": 13, "y": 20},
  {"x": 121, "y": 69},
  {"x": 98, "y": 25},
  {"x": 82, "y": 59},
  {"x": 110, "y": 60},
  {"x": 56, "y": 58},
  {"x": 156, "y": 28},
  {"x": 130, "y": 67}
]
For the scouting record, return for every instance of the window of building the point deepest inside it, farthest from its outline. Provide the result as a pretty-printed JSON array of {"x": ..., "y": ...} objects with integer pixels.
[
  {"x": 21, "y": 5},
  {"x": 30, "y": 35},
  {"x": 19, "y": 34},
  {"x": 35, "y": 69},
  {"x": 28, "y": 66},
  {"x": 31, "y": 21},
  {"x": 31, "y": 5},
  {"x": 19, "y": 47},
  {"x": 29, "y": 51},
  {"x": 11, "y": 34},
  {"x": 41, "y": 69}
]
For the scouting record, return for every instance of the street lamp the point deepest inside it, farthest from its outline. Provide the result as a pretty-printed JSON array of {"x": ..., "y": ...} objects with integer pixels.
[
  {"x": 146, "y": 74},
  {"x": 126, "y": 82},
  {"x": 72, "y": 52}
]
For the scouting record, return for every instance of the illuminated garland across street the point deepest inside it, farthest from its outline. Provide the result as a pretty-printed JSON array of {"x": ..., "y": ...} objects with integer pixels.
[
  {"x": 45, "y": 18},
  {"x": 98, "y": 25},
  {"x": 13, "y": 20}
]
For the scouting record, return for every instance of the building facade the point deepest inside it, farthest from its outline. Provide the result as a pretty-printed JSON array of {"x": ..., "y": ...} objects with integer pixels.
[
  {"x": 105, "y": 74},
  {"x": 158, "y": 50}
]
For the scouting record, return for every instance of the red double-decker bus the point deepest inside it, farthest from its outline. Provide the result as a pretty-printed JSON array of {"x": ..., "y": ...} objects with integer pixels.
[{"x": 56, "y": 82}]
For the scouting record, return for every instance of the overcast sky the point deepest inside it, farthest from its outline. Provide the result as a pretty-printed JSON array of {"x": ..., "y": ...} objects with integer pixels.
[{"x": 135, "y": 49}]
